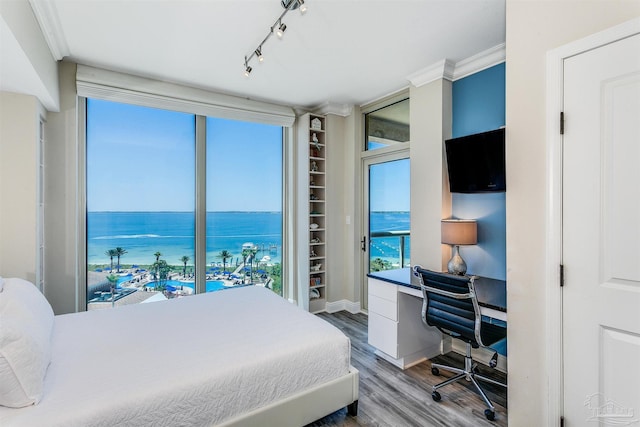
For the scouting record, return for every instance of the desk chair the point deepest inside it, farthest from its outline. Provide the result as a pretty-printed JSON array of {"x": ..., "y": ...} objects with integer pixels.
[{"x": 450, "y": 304}]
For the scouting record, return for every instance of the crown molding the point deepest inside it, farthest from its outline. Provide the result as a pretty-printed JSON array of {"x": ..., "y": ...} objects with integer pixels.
[
  {"x": 47, "y": 17},
  {"x": 481, "y": 61},
  {"x": 448, "y": 70},
  {"x": 442, "y": 69},
  {"x": 343, "y": 110}
]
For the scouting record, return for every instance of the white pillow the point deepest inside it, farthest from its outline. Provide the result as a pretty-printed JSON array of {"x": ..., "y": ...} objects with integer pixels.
[{"x": 26, "y": 322}]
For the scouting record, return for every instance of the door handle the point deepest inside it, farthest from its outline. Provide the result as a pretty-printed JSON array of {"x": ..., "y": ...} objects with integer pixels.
[{"x": 363, "y": 244}]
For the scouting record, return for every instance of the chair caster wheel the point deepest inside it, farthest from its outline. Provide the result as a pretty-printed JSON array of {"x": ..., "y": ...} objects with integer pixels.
[
  {"x": 436, "y": 396},
  {"x": 435, "y": 371},
  {"x": 489, "y": 414}
]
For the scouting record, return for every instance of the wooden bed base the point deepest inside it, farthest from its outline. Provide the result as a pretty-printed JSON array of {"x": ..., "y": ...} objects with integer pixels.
[{"x": 305, "y": 407}]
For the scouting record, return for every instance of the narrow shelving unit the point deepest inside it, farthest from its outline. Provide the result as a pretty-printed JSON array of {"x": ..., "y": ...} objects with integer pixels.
[{"x": 313, "y": 146}]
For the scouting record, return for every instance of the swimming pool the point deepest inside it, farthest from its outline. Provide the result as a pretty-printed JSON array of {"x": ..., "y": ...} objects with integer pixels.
[
  {"x": 212, "y": 285},
  {"x": 100, "y": 296}
]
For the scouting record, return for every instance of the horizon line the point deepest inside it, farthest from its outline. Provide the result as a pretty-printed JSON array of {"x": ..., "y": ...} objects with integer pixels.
[{"x": 250, "y": 211}]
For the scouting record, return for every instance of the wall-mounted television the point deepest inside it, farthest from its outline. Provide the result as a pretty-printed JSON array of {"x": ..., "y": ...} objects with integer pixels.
[{"x": 476, "y": 163}]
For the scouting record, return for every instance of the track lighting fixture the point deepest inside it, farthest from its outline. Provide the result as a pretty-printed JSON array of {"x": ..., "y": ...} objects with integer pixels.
[
  {"x": 247, "y": 67},
  {"x": 278, "y": 28}
]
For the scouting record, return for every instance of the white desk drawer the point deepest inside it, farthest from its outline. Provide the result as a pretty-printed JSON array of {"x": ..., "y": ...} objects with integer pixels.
[
  {"x": 383, "y": 290},
  {"x": 383, "y": 334},
  {"x": 383, "y": 307}
]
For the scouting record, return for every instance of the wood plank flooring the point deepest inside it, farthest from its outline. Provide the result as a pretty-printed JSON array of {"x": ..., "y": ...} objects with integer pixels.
[{"x": 391, "y": 397}]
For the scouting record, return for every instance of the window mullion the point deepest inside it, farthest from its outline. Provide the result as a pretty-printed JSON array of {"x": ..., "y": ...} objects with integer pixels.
[{"x": 200, "y": 262}]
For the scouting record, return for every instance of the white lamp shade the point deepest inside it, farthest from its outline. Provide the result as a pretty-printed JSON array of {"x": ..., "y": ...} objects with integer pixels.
[{"x": 459, "y": 231}]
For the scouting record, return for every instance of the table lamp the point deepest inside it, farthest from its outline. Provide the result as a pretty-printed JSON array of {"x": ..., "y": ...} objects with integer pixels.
[{"x": 458, "y": 232}]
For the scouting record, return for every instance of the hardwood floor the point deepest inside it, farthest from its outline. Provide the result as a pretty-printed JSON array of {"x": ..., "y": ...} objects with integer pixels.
[{"x": 392, "y": 397}]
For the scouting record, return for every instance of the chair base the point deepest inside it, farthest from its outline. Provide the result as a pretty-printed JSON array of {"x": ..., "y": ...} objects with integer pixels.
[{"x": 469, "y": 373}]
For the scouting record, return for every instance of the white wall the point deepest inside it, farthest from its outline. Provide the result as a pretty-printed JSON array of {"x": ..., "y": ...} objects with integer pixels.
[
  {"x": 26, "y": 64},
  {"x": 431, "y": 114},
  {"x": 19, "y": 139},
  {"x": 61, "y": 198},
  {"x": 339, "y": 267},
  {"x": 533, "y": 28}
]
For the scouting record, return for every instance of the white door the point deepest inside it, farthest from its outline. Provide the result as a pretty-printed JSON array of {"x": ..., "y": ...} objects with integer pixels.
[{"x": 601, "y": 236}]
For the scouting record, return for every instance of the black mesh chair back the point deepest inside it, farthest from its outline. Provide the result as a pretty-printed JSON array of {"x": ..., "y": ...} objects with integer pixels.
[{"x": 450, "y": 305}]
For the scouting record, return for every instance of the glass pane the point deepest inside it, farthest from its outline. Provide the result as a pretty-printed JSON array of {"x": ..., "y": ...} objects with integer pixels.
[
  {"x": 140, "y": 204},
  {"x": 389, "y": 219},
  {"x": 244, "y": 204},
  {"x": 387, "y": 126}
]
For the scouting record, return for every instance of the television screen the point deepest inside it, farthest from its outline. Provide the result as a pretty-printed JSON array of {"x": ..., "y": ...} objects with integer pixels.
[{"x": 476, "y": 163}]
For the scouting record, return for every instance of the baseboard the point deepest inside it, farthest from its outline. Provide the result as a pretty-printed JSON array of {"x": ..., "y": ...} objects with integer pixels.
[{"x": 350, "y": 306}]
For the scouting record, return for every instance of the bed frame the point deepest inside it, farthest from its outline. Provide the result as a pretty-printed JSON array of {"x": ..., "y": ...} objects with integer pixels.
[{"x": 305, "y": 407}]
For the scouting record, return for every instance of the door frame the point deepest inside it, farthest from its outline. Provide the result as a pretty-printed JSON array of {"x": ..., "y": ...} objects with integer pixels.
[{"x": 554, "y": 186}]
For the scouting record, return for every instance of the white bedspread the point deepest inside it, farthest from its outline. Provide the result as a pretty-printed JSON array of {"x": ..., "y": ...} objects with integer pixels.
[{"x": 197, "y": 360}]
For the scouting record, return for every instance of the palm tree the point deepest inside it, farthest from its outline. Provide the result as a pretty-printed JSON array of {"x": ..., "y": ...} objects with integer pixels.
[
  {"x": 253, "y": 253},
  {"x": 157, "y": 263},
  {"x": 111, "y": 253},
  {"x": 113, "y": 283},
  {"x": 224, "y": 255},
  {"x": 120, "y": 252},
  {"x": 245, "y": 255},
  {"x": 185, "y": 259},
  {"x": 162, "y": 269}
]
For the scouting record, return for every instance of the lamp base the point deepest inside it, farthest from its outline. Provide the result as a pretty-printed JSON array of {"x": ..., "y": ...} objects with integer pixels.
[{"x": 456, "y": 264}]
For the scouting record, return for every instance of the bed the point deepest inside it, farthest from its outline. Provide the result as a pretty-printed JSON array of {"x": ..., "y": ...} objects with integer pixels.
[{"x": 242, "y": 356}]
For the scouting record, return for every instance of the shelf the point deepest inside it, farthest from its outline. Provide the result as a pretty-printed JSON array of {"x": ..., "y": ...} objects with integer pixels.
[
  {"x": 317, "y": 286},
  {"x": 316, "y": 244},
  {"x": 316, "y": 258},
  {"x": 317, "y": 144},
  {"x": 317, "y": 272}
]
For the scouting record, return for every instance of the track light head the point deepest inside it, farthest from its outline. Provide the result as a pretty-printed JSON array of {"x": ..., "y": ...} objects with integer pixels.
[
  {"x": 247, "y": 70},
  {"x": 281, "y": 29},
  {"x": 303, "y": 7},
  {"x": 259, "y": 54}
]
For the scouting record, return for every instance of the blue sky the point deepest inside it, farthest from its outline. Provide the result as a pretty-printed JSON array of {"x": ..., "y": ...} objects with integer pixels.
[
  {"x": 389, "y": 186},
  {"x": 143, "y": 159}
]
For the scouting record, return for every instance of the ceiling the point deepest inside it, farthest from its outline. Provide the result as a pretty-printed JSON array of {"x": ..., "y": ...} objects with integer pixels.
[{"x": 344, "y": 52}]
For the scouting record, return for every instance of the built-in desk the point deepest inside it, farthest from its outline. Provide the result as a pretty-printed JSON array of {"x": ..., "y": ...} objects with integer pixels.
[{"x": 395, "y": 324}]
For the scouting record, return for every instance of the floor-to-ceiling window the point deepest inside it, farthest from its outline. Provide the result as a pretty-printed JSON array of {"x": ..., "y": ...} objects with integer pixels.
[{"x": 142, "y": 199}]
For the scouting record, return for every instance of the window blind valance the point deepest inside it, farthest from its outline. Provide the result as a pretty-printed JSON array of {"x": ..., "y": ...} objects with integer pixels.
[{"x": 114, "y": 86}]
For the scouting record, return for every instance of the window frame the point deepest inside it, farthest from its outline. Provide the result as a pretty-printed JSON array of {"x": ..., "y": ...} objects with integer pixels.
[{"x": 200, "y": 196}]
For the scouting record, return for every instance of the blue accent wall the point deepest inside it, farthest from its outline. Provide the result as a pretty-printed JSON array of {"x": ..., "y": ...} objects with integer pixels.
[
  {"x": 479, "y": 106},
  {"x": 479, "y": 102}
]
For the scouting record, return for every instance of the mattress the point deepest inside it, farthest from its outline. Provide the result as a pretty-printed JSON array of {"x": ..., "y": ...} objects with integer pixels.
[{"x": 197, "y": 360}]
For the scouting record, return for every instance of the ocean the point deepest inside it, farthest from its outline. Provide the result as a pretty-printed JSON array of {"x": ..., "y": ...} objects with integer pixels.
[{"x": 142, "y": 234}]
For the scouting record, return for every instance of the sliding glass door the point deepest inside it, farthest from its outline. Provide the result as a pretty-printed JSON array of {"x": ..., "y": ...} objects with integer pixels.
[{"x": 385, "y": 241}]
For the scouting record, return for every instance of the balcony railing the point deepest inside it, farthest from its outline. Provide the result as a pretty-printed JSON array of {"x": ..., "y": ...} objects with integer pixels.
[{"x": 390, "y": 246}]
